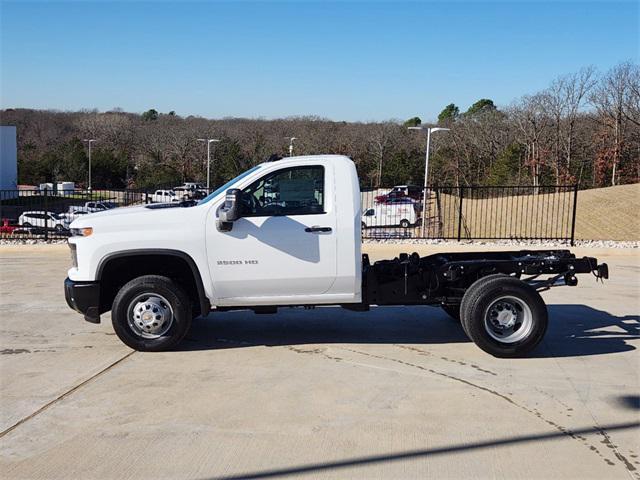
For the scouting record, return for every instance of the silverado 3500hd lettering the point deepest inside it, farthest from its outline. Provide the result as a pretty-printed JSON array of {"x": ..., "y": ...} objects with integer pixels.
[{"x": 298, "y": 220}]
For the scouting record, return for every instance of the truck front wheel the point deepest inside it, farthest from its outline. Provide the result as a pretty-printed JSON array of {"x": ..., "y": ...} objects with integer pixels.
[
  {"x": 151, "y": 313},
  {"x": 504, "y": 316}
]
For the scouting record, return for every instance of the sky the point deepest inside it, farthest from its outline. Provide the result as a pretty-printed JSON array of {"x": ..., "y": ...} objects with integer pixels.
[{"x": 352, "y": 61}]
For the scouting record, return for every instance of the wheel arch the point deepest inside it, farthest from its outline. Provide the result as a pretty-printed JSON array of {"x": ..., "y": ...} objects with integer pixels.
[{"x": 175, "y": 264}]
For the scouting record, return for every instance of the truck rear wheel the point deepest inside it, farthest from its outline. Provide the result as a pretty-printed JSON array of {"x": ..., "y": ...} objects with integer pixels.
[
  {"x": 151, "y": 313},
  {"x": 504, "y": 316},
  {"x": 405, "y": 223}
]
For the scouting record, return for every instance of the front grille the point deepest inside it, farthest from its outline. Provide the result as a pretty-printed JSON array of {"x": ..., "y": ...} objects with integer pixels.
[{"x": 74, "y": 255}]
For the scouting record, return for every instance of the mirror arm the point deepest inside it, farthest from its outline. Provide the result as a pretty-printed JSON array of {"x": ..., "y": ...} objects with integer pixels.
[{"x": 224, "y": 226}]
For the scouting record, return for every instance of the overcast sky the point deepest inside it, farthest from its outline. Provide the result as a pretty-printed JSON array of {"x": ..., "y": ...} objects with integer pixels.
[{"x": 340, "y": 60}]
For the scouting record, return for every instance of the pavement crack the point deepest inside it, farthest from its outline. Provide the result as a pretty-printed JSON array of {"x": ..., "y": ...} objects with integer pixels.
[
  {"x": 625, "y": 461},
  {"x": 64, "y": 395},
  {"x": 446, "y": 359},
  {"x": 316, "y": 351}
]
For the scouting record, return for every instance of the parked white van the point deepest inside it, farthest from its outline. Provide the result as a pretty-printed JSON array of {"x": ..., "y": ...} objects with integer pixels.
[{"x": 395, "y": 215}]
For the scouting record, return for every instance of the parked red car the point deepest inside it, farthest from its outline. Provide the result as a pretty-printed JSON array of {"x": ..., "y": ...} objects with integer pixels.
[
  {"x": 401, "y": 191},
  {"x": 6, "y": 228}
]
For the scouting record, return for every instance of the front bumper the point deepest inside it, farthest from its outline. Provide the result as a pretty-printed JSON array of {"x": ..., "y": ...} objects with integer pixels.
[{"x": 84, "y": 297}]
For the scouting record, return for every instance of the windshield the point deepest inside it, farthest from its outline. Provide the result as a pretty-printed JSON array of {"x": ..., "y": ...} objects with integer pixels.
[{"x": 221, "y": 189}]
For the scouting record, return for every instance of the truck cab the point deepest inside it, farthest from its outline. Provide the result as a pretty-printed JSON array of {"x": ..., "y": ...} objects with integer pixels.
[{"x": 283, "y": 233}]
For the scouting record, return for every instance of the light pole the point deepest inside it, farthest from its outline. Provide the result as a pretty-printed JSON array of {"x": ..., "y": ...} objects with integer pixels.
[
  {"x": 89, "y": 142},
  {"x": 209, "y": 142},
  {"x": 426, "y": 170},
  {"x": 291, "y": 139}
]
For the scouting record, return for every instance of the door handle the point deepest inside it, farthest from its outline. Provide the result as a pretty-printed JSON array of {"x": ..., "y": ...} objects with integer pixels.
[{"x": 316, "y": 228}]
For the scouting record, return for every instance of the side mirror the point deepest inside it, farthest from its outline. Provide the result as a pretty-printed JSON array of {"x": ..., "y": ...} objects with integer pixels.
[{"x": 230, "y": 210}]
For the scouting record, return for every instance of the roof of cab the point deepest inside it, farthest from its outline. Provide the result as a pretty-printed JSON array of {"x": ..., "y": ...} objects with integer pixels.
[{"x": 311, "y": 159}]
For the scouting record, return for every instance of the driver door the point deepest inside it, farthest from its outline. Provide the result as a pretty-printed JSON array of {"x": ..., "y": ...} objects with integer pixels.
[{"x": 283, "y": 248}]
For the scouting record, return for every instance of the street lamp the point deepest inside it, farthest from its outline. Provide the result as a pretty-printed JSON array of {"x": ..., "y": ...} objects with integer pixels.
[
  {"x": 426, "y": 170},
  {"x": 89, "y": 142},
  {"x": 209, "y": 142},
  {"x": 291, "y": 139}
]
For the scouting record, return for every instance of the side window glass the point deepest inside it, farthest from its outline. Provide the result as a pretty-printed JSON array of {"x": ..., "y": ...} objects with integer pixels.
[{"x": 292, "y": 191}]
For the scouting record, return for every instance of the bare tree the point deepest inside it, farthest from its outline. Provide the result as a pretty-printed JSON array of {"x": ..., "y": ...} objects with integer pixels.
[
  {"x": 611, "y": 98},
  {"x": 380, "y": 140},
  {"x": 532, "y": 122},
  {"x": 564, "y": 101}
]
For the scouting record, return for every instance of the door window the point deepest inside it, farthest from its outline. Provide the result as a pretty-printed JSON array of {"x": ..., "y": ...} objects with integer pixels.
[{"x": 291, "y": 191}]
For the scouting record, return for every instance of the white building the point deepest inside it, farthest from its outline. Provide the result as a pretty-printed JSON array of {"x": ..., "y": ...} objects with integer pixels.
[{"x": 8, "y": 159}]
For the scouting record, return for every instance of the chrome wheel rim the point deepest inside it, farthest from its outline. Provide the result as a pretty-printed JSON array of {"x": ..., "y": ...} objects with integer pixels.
[
  {"x": 150, "y": 315},
  {"x": 508, "y": 320}
]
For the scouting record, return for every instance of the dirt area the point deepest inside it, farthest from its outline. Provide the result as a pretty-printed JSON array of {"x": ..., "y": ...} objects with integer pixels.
[
  {"x": 609, "y": 213},
  {"x": 398, "y": 392}
]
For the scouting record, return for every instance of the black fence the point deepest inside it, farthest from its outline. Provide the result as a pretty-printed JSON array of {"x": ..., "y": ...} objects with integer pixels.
[
  {"x": 47, "y": 214},
  {"x": 477, "y": 213}
]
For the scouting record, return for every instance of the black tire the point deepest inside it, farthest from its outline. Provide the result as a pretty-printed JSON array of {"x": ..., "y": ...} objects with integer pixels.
[
  {"x": 127, "y": 298},
  {"x": 405, "y": 223},
  {"x": 59, "y": 228},
  {"x": 464, "y": 305},
  {"x": 489, "y": 291},
  {"x": 363, "y": 225},
  {"x": 452, "y": 310},
  {"x": 27, "y": 225}
]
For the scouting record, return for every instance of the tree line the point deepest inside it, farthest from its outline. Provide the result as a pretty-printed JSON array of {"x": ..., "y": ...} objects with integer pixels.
[{"x": 583, "y": 128}]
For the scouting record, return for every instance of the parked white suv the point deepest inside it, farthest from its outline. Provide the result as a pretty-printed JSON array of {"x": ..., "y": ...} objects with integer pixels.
[
  {"x": 164, "y": 196},
  {"x": 42, "y": 219},
  {"x": 91, "y": 207}
]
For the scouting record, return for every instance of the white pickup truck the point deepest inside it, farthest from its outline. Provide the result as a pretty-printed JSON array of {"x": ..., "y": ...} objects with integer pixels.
[{"x": 287, "y": 233}]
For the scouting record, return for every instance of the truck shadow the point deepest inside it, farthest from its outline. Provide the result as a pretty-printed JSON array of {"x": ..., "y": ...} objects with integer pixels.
[
  {"x": 574, "y": 330},
  {"x": 579, "y": 330}
]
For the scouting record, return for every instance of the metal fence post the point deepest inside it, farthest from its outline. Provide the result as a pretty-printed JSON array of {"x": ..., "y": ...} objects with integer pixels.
[
  {"x": 460, "y": 213},
  {"x": 46, "y": 218},
  {"x": 573, "y": 219}
]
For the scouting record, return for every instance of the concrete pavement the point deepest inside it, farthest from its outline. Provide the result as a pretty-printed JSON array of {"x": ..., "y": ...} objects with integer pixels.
[{"x": 394, "y": 393}]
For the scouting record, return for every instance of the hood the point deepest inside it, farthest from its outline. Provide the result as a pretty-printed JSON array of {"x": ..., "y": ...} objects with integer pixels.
[{"x": 138, "y": 217}]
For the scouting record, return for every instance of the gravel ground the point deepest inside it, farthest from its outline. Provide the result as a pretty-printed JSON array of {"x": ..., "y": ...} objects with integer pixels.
[
  {"x": 30, "y": 241},
  {"x": 511, "y": 243},
  {"x": 492, "y": 243}
]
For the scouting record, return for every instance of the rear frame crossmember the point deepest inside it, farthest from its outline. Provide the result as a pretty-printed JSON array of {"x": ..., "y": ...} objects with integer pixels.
[{"x": 444, "y": 278}]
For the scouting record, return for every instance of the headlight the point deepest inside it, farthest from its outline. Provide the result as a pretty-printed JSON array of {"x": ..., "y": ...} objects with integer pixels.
[{"x": 81, "y": 232}]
